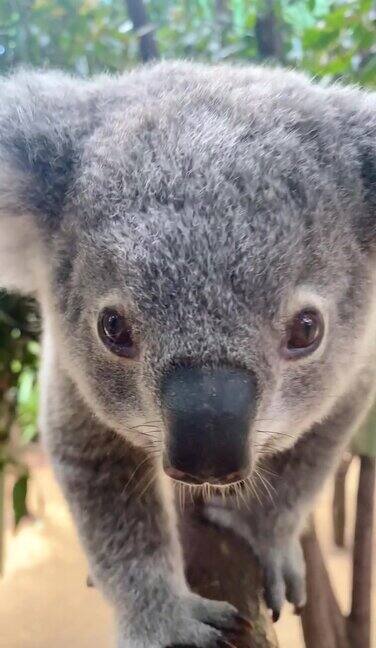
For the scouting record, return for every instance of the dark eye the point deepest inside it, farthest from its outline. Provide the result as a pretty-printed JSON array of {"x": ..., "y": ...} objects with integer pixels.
[
  {"x": 116, "y": 334},
  {"x": 304, "y": 334}
]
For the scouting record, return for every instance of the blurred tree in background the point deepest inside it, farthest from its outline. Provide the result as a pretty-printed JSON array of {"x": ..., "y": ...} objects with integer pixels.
[
  {"x": 18, "y": 397},
  {"x": 330, "y": 39}
]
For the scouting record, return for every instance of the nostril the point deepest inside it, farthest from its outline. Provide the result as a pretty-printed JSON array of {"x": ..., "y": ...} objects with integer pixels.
[
  {"x": 231, "y": 478},
  {"x": 181, "y": 476},
  {"x": 174, "y": 473},
  {"x": 188, "y": 478}
]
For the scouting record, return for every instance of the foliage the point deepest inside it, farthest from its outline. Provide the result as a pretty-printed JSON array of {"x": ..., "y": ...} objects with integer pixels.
[
  {"x": 18, "y": 358},
  {"x": 85, "y": 37},
  {"x": 332, "y": 39},
  {"x": 18, "y": 386}
]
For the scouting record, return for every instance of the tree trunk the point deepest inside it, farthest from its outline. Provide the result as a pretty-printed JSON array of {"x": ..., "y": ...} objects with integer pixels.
[
  {"x": 359, "y": 621},
  {"x": 2, "y": 516},
  {"x": 221, "y": 566},
  {"x": 144, "y": 29},
  {"x": 339, "y": 502},
  {"x": 268, "y": 32},
  {"x": 323, "y": 623}
]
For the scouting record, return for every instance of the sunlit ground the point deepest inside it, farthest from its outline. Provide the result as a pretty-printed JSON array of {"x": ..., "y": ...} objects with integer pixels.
[{"x": 44, "y": 600}]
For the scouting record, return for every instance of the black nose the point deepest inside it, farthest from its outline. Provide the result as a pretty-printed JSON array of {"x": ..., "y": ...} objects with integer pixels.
[{"x": 208, "y": 413}]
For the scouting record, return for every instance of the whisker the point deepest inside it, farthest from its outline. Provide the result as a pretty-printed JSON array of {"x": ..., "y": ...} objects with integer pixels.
[
  {"x": 254, "y": 490},
  {"x": 135, "y": 472},
  {"x": 145, "y": 433},
  {"x": 228, "y": 643},
  {"x": 149, "y": 483},
  {"x": 244, "y": 500},
  {"x": 153, "y": 452},
  {"x": 184, "y": 490},
  {"x": 151, "y": 423},
  {"x": 266, "y": 470},
  {"x": 276, "y": 432},
  {"x": 267, "y": 487}
]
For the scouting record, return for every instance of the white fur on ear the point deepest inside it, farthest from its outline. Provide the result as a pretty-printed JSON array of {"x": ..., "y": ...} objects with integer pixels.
[
  {"x": 42, "y": 116},
  {"x": 19, "y": 253},
  {"x": 19, "y": 241}
]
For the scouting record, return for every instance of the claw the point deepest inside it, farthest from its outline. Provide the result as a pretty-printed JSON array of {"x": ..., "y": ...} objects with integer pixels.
[
  {"x": 224, "y": 643},
  {"x": 242, "y": 629},
  {"x": 243, "y": 622},
  {"x": 274, "y": 591},
  {"x": 275, "y": 616},
  {"x": 298, "y": 609}
]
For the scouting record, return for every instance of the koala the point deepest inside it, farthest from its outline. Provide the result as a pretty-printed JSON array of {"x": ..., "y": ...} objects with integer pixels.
[{"x": 201, "y": 240}]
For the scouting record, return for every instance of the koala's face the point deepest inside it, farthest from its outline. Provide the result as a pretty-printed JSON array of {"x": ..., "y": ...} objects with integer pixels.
[{"x": 207, "y": 274}]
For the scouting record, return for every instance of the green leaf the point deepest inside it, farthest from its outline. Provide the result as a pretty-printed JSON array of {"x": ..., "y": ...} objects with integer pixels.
[
  {"x": 319, "y": 39},
  {"x": 299, "y": 16}
]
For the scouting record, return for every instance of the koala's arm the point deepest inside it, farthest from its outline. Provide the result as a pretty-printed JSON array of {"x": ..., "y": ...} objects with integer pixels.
[
  {"x": 126, "y": 524},
  {"x": 286, "y": 488}
]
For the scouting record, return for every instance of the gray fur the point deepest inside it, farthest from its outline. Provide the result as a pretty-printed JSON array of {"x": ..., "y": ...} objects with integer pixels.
[{"x": 211, "y": 203}]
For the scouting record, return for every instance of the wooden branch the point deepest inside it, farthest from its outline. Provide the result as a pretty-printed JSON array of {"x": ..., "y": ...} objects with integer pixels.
[
  {"x": 359, "y": 621},
  {"x": 339, "y": 501},
  {"x": 2, "y": 515},
  {"x": 144, "y": 29},
  {"x": 220, "y": 566},
  {"x": 323, "y": 623}
]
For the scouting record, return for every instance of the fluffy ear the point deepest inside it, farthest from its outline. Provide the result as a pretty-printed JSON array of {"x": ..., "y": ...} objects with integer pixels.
[
  {"x": 357, "y": 111},
  {"x": 367, "y": 225},
  {"x": 42, "y": 118}
]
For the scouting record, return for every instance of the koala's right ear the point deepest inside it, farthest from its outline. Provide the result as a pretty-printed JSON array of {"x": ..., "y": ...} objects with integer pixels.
[
  {"x": 356, "y": 112},
  {"x": 42, "y": 118}
]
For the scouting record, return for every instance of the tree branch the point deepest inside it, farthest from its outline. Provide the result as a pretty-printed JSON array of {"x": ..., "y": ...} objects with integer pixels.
[
  {"x": 359, "y": 621},
  {"x": 323, "y": 623},
  {"x": 219, "y": 565},
  {"x": 339, "y": 501}
]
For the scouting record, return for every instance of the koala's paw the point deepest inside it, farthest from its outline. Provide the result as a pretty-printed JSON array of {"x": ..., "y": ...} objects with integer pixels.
[
  {"x": 281, "y": 560},
  {"x": 284, "y": 576},
  {"x": 194, "y": 622}
]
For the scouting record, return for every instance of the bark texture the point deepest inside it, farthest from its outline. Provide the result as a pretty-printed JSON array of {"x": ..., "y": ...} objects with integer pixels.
[
  {"x": 359, "y": 621},
  {"x": 324, "y": 626},
  {"x": 221, "y": 566},
  {"x": 339, "y": 502}
]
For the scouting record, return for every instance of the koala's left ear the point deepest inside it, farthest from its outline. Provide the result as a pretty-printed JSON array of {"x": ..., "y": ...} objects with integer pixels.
[{"x": 40, "y": 130}]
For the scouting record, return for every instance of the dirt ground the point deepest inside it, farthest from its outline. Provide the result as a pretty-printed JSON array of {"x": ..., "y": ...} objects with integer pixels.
[{"x": 44, "y": 601}]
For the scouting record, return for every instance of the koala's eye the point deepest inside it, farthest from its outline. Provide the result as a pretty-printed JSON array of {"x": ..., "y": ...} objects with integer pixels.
[
  {"x": 116, "y": 334},
  {"x": 304, "y": 334}
]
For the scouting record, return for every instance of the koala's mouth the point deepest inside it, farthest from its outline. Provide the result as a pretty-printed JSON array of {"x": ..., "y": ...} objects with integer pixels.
[{"x": 192, "y": 480}]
